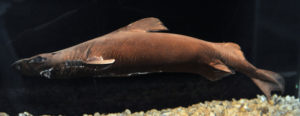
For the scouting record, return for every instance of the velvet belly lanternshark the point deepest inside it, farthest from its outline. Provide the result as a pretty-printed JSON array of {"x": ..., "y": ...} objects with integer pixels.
[{"x": 139, "y": 49}]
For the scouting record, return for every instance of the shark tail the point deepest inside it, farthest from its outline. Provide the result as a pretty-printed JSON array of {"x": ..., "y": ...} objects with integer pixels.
[{"x": 268, "y": 81}]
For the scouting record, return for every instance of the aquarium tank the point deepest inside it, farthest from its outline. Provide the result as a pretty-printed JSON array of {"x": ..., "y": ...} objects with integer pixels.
[{"x": 266, "y": 30}]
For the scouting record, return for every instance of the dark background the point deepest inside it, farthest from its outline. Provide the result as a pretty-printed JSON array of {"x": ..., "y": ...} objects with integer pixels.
[{"x": 268, "y": 32}]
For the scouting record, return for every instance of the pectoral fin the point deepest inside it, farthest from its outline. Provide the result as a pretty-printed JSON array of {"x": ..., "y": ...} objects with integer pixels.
[
  {"x": 99, "y": 60},
  {"x": 93, "y": 62}
]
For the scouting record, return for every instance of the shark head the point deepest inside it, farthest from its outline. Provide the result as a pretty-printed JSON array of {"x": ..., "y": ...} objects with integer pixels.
[{"x": 35, "y": 65}]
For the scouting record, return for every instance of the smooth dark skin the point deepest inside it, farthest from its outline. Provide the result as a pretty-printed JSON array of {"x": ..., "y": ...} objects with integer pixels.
[{"x": 135, "y": 50}]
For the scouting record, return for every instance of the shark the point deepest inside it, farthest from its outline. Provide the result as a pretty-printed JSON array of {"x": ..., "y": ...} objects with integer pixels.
[{"x": 142, "y": 48}]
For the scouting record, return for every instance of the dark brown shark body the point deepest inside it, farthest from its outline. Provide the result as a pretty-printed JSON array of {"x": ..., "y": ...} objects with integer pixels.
[{"x": 137, "y": 49}]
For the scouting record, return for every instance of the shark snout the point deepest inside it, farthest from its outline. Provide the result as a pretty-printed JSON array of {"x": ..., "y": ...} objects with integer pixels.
[
  {"x": 17, "y": 65},
  {"x": 22, "y": 66},
  {"x": 29, "y": 66}
]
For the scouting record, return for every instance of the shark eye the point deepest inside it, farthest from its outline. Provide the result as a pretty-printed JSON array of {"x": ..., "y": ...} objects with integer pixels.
[{"x": 37, "y": 59}]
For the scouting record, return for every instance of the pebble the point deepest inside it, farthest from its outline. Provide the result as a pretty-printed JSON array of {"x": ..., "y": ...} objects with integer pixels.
[
  {"x": 97, "y": 114},
  {"x": 127, "y": 112},
  {"x": 25, "y": 114},
  {"x": 3, "y": 114}
]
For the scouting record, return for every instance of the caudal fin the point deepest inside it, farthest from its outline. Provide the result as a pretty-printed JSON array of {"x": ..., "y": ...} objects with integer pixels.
[{"x": 268, "y": 81}]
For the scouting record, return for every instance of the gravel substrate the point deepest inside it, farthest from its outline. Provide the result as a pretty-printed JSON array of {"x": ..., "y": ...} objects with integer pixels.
[{"x": 260, "y": 106}]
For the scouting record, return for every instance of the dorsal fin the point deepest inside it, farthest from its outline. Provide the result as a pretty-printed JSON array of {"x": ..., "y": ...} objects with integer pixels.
[
  {"x": 145, "y": 25},
  {"x": 230, "y": 44},
  {"x": 237, "y": 46}
]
